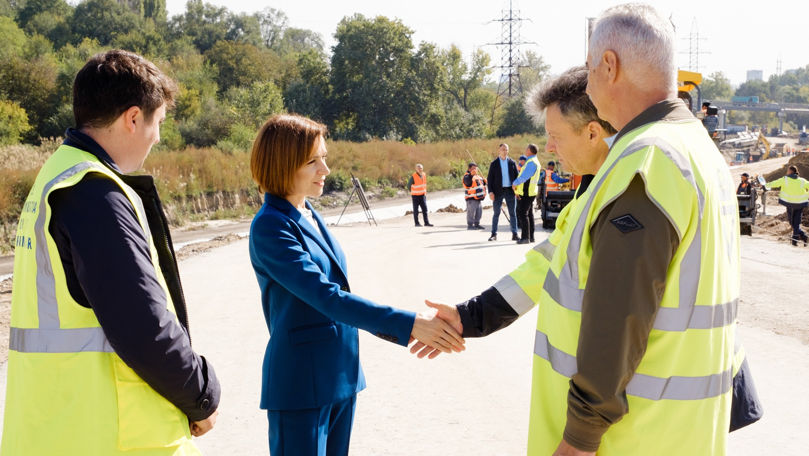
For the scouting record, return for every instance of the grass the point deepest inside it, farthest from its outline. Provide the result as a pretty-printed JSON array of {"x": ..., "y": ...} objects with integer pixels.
[{"x": 201, "y": 183}]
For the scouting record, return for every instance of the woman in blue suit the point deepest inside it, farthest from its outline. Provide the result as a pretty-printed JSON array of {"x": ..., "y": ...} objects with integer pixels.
[{"x": 311, "y": 372}]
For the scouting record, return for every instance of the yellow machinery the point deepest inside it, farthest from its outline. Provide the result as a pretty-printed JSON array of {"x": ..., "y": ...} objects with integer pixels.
[{"x": 686, "y": 82}]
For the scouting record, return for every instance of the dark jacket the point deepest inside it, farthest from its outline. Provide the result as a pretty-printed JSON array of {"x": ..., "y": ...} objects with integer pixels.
[
  {"x": 495, "y": 178},
  {"x": 312, "y": 356},
  {"x": 108, "y": 268}
]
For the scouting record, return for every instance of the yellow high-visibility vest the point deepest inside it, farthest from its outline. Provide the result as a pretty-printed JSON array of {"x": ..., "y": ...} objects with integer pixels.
[
  {"x": 679, "y": 398},
  {"x": 533, "y": 182},
  {"x": 68, "y": 392},
  {"x": 792, "y": 190}
]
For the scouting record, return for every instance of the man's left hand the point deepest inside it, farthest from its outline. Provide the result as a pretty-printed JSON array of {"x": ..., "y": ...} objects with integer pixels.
[{"x": 566, "y": 449}]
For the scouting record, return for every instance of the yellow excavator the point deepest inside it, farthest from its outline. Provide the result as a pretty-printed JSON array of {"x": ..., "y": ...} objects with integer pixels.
[{"x": 686, "y": 82}]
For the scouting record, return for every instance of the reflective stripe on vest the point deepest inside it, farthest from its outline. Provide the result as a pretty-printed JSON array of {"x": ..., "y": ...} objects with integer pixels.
[
  {"x": 792, "y": 190},
  {"x": 65, "y": 381},
  {"x": 550, "y": 184},
  {"x": 419, "y": 186},
  {"x": 533, "y": 181},
  {"x": 685, "y": 374},
  {"x": 477, "y": 190}
]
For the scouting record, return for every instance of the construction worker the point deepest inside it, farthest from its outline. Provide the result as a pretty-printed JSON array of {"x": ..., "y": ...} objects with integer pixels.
[
  {"x": 552, "y": 178},
  {"x": 521, "y": 162},
  {"x": 474, "y": 185},
  {"x": 795, "y": 196},
  {"x": 100, "y": 360},
  {"x": 634, "y": 350},
  {"x": 744, "y": 187},
  {"x": 525, "y": 187},
  {"x": 417, "y": 184}
]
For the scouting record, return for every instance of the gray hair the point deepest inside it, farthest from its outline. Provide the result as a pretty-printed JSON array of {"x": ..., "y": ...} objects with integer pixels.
[
  {"x": 643, "y": 40},
  {"x": 568, "y": 91}
]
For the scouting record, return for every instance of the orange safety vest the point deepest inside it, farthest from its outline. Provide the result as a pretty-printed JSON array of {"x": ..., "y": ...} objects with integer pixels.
[
  {"x": 550, "y": 185},
  {"x": 478, "y": 189},
  {"x": 575, "y": 181},
  {"x": 419, "y": 186}
]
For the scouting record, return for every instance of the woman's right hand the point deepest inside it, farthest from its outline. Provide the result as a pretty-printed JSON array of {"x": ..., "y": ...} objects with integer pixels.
[{"x": 431, "y": 330}]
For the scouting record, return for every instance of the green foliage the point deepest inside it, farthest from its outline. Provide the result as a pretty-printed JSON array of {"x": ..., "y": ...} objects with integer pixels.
[
  {"x": 32, "y": 84},
  {"x": 516, "y": 120},
  {"x": 170, "y": 136},
  {"x": 240, "y": 138},
  {"x": 716, "y": 87},
  {"x": 534, "y": 71},
  {"x": 103, "y": 20},
  {"x": 209, "y": 126},
  {"x": 204, "y": 24},
  {"x": 240, "y": 64},
  {"x": 14, "y": 39},
  {"x": 146, "y": 41},
  {"x": 13, "y": 122},
  {"x": 252, "y": 105},
  {"x": 370, "y": 66}
]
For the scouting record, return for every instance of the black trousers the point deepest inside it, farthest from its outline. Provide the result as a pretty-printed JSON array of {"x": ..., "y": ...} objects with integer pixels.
[
  {"x": 420, "y": 201},
  {"x": 794, "y": 215},
  {"x": 525, "y": 214}
]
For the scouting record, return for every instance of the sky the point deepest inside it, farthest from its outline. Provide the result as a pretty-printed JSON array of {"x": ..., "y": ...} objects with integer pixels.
[{"x": 732, "y": 38}]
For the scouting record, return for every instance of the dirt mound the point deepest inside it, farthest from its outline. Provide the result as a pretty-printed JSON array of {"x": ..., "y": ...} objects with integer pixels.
[
  {"x": 452, "y": 209},
  {"x": 801, "y": 161}
]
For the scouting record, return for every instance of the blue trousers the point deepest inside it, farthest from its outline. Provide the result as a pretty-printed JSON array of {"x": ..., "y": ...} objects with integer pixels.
[
  {"x": 323, "y": 431},
  {"x": 511, "y": 205}
]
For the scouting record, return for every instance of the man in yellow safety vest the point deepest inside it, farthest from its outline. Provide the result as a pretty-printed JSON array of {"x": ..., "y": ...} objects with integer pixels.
[
  {"x": 635, "y": 342},
  {"x": 100, "y": 359}
]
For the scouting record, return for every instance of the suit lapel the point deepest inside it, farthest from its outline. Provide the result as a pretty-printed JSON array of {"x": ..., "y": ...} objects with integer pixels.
[{"x": 322, "y": 238}]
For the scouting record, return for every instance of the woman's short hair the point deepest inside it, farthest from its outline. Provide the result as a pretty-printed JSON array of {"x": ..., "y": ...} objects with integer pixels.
[
  {"x": 114, "y": 81},
  {"x": 284, "y": 143}
]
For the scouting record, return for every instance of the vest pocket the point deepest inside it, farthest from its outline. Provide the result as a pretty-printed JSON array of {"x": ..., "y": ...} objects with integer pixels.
[{"x": 145, "y": 418}]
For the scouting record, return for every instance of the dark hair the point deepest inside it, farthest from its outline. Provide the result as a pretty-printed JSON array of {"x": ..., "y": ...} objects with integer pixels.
[
  {"x": 114, "y": 81},
  {"x": 568, "y": 91},
  {"x": 471, "y": 164},
  {"x": 284, "y": 143},
  {"x": 793, "y": 168},
  {"x": 705, "y": 104},
  {"x": 551, "y": 163},
  {"x": 533, "y": 148}
]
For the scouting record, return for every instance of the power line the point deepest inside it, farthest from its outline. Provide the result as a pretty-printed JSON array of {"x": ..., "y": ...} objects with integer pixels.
[{"x": 510, "y": 56}]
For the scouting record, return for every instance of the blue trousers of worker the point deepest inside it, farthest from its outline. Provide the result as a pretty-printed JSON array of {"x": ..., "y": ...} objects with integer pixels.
[
  {"x": 323, "y": 431},
  {"x": 511, "y": 205}
]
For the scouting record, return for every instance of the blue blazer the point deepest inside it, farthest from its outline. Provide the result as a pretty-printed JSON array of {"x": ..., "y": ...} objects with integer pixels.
[{"x": 312, "y": 357}]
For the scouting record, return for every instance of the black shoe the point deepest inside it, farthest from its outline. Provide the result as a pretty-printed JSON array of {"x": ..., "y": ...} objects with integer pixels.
[
  {"x": 795, "y": 243},
  {"x": 478, "y": 227},
  {"x": 532, "y": 240},
  {"x": 418, "y": 224},
  {"x": 514, "y": 237},
  {"x": 428, "y": 224},
  {"x": 523, "y": 241},
  {"x": 470, "y": 227},
  {"x": 493, "y": 237}
]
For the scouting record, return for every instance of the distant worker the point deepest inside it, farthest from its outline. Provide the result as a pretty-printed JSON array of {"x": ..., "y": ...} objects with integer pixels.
[
  {"x": 795, "y": 196},
  {"x": 502, "y": 172},
  {"x": 744, "y": 186},
  {"x": 551, "y": 178},
  {"x": 704, "y": 110},
  {"x": 525, "y": 186},
  {"x": 711, "y": 121},
  {"x": 100, "y": 358},
  {"x": 521, "y": 162},
  {"x": 475, "y": 192},
  {"x": 417, "y": 184}
]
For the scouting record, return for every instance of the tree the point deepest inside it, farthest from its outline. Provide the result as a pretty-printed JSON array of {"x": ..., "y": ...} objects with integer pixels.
[
  {"x": 758, "y": 89},
  {"x": 516, "y": 120},
  {"x": 272, "y": 23},
  {"x": 462, "y": 80},
  {"x": 252, "y": 105},
  {"x": 370, "y": 65},
  {"x": 203, "y": 23},
  {"x": 534, "y": 71},
  {"x": 716, "y": 87},
  {"x": 103, "y": 20},
  {"x": 240, "y": 64},
  {"x": 32, "y": 84},
  {"x": 13, "y": 122},
  {"x": 308, "y": 94}
]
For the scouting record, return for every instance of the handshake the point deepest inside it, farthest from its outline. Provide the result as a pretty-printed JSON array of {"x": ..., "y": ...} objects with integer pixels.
[{"x": 437, "y": 330}]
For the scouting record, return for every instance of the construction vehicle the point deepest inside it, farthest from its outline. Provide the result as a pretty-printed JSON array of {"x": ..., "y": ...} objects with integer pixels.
[
  {"x": 688, "y": 81},
  {"x": 803, "y": 138},
  {"x": 746, "y": 147},
  {"x": 551, "y": 203}
]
